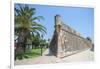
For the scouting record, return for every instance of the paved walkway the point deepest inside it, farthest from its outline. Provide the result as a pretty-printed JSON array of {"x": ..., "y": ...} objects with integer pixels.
[{"x": 46, "y": 58}]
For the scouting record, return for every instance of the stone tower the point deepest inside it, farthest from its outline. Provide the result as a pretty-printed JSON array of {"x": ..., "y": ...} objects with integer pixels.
[
  {"x": 58, "y": 30},
  {"x": 57, "y": 20},
  {"x": 57, "y": 23}
]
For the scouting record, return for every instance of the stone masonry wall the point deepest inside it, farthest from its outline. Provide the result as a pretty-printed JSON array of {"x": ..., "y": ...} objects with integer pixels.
[{"x": 66, "y": 41}]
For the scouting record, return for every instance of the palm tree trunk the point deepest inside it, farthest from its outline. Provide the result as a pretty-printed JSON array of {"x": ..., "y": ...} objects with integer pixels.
[
  {"x": 22, "y": 39},
  {"x": 24, "y": 44},
  {"x": 41, "y": 51}
]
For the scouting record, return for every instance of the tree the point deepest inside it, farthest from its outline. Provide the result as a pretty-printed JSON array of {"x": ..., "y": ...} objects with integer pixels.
[
  {"x": 26, "y": 24},
  {"x": 35, "y": 41},
  {"x": 42, "y": 43},
  {"x": 89, "y": 39},
  {"x": 48, "y": 40}
]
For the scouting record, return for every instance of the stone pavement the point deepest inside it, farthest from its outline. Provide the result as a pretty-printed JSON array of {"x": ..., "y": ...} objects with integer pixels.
[{"x": 86, "y": 55}]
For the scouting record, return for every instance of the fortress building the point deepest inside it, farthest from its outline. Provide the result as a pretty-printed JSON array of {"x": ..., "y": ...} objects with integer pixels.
[{"x": 67, "y": 41}]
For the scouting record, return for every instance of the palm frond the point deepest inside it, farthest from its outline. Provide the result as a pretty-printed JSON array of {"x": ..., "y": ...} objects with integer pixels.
[{"x": 37, "y": 18}]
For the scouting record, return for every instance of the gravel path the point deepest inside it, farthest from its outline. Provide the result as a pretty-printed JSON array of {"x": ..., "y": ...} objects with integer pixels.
[{"x": 86, "y": 55}]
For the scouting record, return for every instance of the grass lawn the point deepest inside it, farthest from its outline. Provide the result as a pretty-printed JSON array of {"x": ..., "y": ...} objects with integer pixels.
[{"x": 33, "y": 53}]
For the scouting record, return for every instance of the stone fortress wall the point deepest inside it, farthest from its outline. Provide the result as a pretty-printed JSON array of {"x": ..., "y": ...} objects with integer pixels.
[{"x": 67, "y": 41}]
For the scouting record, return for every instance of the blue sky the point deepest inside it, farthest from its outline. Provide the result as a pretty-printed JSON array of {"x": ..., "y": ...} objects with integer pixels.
[{"x": 78, "y": 18}]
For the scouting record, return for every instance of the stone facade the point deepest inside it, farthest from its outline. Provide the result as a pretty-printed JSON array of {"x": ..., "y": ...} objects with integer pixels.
[{"x": 66, "y": 40}]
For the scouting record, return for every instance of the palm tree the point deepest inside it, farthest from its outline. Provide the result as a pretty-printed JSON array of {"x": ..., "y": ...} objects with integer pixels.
[{"x": 26, "y": 24}]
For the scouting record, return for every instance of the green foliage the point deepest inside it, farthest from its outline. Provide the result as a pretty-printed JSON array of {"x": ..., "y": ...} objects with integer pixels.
[
  {"x": 29, "y": 54},
  {"x": 28, "y": 29},
  {"x": 89, "y": 39},
  {"x": 25, "y": 20}
]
